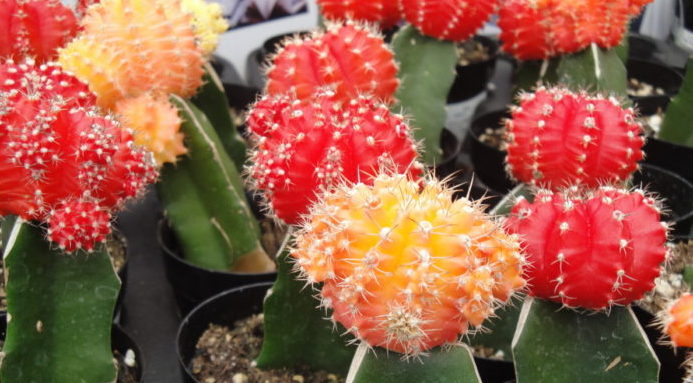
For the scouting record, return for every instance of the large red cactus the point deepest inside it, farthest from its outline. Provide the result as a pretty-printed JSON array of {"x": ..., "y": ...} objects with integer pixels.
[
  {"x": 351, "y": 59},
  {"x": 557, "y": 137},
  {"x": 455, "y": 20},
  {"x": 303, "y": 146},
  {"x": 385, "y": 13},
  {"x": 592, "y": 251},
  {"x": 60, "y": 159},
  {"x": 35, "y": 28}
]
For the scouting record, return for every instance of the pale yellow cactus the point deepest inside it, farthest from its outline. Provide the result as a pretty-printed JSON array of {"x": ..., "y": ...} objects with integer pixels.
[
  {"x": 156, "y": 125},
  {"x": 130, "y": 47},
  {"x": 208, "y": 21}
]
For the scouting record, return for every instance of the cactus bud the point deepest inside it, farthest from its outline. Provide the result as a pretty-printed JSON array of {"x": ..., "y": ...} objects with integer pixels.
[
  {"x": 351, "y": 59},
  {"x": 385, "y": 13},
  {"x": 35, "y": 28},
  {"x": 304, "y": 146},
  {"x": 404, "y": 266},
  {"x": 557, "y": 137},
  {"x": 593, "y": 251},
  {"x": 455, "y": 20}
]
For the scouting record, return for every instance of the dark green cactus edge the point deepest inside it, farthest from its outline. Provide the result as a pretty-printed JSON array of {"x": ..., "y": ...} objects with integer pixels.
[
  {"x": 533, "y": 73},
  {"x": 453, "y": 365},
  {"x": 203, "y": 197},
  {"x": 677, "y": 126},
  {"x": 211, "y": 100},
  {"x": 594, "y": 69},
  {"x": 426, "y": 73},
  {"x": 563, "y": 346},
  {"x": 296, "y": 332},
  {"x": 60, "y": 311}
]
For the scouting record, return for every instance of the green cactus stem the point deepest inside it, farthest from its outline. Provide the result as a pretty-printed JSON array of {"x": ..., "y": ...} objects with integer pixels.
[
  {"x": 564, "y": 346},
  {"x": 296, "y": 332},
  {"x": 60, "y": 310},
  {"x": 426, "y": 72},
  {"x": 594, "y": 69},
  {"x": 531, "y": 74},
  {"x": 453, "y": 365},
  {"x": 211, "y": 100},
  {"x": 204, "y": 201},
  {"x": 677, "y": 126}
]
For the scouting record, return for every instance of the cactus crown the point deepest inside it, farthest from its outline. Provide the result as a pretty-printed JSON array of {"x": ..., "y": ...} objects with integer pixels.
[
  {"x": 455, "y": 20},
  {"x": 61, "y": 161},
  {"x": 591, "y": 249},
  {"x": 557, "y": 137},
  {"x": 403, "y": 265},
  {"x": 677, "y": 321},
  {"x": 384, "y": 13}
]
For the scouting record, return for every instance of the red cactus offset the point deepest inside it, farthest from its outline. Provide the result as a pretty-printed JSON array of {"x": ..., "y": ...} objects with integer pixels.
[
  {"x": 557, "y": 137},
  {"x": 349, "y": 58},
  {"x": 385, "y": 13},
  {"x": 592, "y": 251},
  {"x": 304, "y": 146},
  {"x": 60, "y": 159},
  {"x": 35, "y": 28},
  {"x": 455, "y": 20}
]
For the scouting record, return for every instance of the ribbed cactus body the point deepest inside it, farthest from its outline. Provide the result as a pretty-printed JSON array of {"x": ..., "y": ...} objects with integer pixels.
[
  {"x": 155, "y": 124},
  {"x": 455, "y": 20},
  {"x": 130, "y": 47},
  {"x": 678, "y": 321},
  {"x": 558, "y": 138},
  {"x": 403, "y": 265},
  {"x": 384, "y": 13},
  {"x": 59, "y": 157},
  {"x": 592, "y": 251},
  {"x": 35, "y": 28},
  {"x": 351, "y": 59},
  {"x": 305, "y": 146}
]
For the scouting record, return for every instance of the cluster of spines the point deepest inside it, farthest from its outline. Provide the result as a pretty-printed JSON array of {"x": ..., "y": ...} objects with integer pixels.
[
  {"x": 591, "y": 249},
  {"x": 405, "y": 267},
  {"x": 384, "y": 13},
  {"x": 60, "y": 158},
  {"x": 557, "y": 137},
  {"x": 350, "y": 58},
  {"x": 455, "y": 20},
  {"x": 676, "y": 321},
  {"x": 130, "y": 47},
  {"x": 35, "y": 28},
  {"x": 304, "y": 146},
  {"x": 539, "y": 29}
]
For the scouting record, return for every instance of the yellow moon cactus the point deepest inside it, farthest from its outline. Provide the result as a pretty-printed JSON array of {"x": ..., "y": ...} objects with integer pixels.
[
  {"x": 403, "y": 265},
  {"x": 156, "y": 125},
  {"x": 208, "y": 22},
  {"x": 130, "y": 47}
]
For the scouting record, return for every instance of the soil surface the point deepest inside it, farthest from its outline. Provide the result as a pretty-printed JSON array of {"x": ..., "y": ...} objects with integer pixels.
[
  {"x": 116, "y": 250},
  {"x": 639, "y": 88},
  {"x": 494, "y": 137},
  {"x": 670, "y": 285},
  {"x": 126, "y": 373},
  {"x": 472, "y": 52},
  {"x": 226, "y": 356}
]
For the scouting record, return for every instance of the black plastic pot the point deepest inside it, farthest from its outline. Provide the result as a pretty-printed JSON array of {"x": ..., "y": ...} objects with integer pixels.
[
  {"x": 668, "y": 155},
  {"x": 193, "y": 284},
  {"x": 494, "y": 370},
  {"x": 451, "y": 148},
  {"x": 671, "y": 369},
  {"x": 489, "y": 162},
  {"x": 473, "y": 78},
  {"x": 657, "y": 75},
  {"x": 222, "y": 309},
  {"x": 122, "y": 342},
  {"x": 676, "y": 192}
]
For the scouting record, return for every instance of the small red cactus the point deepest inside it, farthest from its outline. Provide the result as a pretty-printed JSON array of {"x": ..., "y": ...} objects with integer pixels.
[
  {"x": 592, "y": 251},
  {"x": 677, "y": 321},
  {"x": 35, "y": 28},
  {"x": 385, "y": 13},
  {"x": 303, "y": 146},
  {"x": 455, "y": 20},
  {"x": 60, "y": 158},
  {"x": 351, "y": 59},
  {"x": 556, "y": 137}
]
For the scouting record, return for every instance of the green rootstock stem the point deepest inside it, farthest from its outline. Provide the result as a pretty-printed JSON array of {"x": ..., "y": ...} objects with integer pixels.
[
  {"x": 594, "y": 69},
  {"x": 205, "y": 203},
  {"x": 563, "y": 346},
  {"x": 60, "y": 311},
  {"x": 211, "y": 100},
  {"x": 426, "y": 72},
  {"x": 677, "y": 126},
  {"x": 455, "y": 365},
  {"x": 531, "y": 74},
  {"x": 296, "y": 331}
]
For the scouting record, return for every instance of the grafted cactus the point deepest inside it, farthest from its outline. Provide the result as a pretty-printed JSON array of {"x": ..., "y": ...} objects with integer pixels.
[
  {"x": 455, "y": 20},
  {"x": 557, "y": 137},
  {"x": 677, "y": 321},
  {"x": 384, "y": 13}
]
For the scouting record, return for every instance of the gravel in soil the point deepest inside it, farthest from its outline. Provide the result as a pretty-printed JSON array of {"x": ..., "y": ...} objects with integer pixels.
[
  {"x": 494, "y": 137},
  {"x": 126, "y": 368},
  {"x": 472, "y": 52},
  {"x": 639, "y": 88},
  {"x": 670, "y": 284},
  {"x": 226, "y": 356}
]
